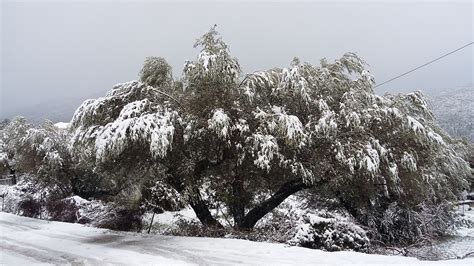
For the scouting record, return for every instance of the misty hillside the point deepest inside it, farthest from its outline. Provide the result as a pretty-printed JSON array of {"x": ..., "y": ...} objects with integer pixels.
[
  {"x": 54, "y": 109},
  {"x": 454, "y": 110}
]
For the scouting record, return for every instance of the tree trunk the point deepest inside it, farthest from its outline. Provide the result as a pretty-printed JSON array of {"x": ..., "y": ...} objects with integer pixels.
[
  {"x": 237, "y": 206},
  {"x": 151, "y": 223},
  {"x": 204, "y": 215},
  {"x": 286, "y": 190},
  {"x": 199, "y": 206},
  {"x": 13, "y": 176}
]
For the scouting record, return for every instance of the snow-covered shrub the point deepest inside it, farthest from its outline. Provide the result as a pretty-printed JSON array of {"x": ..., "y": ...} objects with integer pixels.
[
  {"x": 402, "y": 224},
  {"x": 28, "y": 198},
  {"x": 462, "y": 220},
  {"x": 31, "y": 198},
  {"x": 191, "y": 227},
  {"x": 29, "y": 206},
  {"x": 110, "y": 215},
  {"x": 63, "y": 210},
  {"x": 24, "y": 198},
  {"x": 331, "y": 232},
  {"x": 161, "y": 197},
  {"x": 121, "y": 218},
  {"x": 278, "y": 226}
]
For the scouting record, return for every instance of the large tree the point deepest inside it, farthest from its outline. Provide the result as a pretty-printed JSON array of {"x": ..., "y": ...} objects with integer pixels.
[{"x": 249, "y": 142}]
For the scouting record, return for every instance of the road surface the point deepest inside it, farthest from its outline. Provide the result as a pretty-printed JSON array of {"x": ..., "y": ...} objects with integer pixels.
[{"x": 26, "y": 241}]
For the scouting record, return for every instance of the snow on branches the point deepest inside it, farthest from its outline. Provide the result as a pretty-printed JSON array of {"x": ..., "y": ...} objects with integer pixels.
[
  {"x": 38, "y": 150},
  {"x": 126, "y": 124},
  {"x": 333, "y": 104},
  {"x": 214, "y": 62},
  {"x": 220, "y": 123}
]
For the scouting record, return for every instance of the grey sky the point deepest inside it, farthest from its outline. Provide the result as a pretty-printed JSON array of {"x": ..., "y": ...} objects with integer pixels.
[{"x": 62, "y": 50}]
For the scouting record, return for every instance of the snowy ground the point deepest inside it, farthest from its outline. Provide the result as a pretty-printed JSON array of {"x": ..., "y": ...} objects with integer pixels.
[{"x": 26, "y": 241}]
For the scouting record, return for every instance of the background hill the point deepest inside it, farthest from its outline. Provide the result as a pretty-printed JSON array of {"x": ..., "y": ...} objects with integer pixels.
[{"x": 454, "y": 109}]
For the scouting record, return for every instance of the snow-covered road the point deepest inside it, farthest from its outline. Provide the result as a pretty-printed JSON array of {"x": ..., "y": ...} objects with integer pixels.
[{"x": 26, "y": 241}]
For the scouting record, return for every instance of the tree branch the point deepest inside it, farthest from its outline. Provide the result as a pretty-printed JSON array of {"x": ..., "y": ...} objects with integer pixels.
[
  {"x": 286, "y": 190},
  {"x": 204, "y": 215},
  {"x": 169, "y": 96}
]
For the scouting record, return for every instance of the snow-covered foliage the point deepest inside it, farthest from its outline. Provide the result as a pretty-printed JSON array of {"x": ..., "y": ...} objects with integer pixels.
[
  {"x": 401, "y": 223},
  {"x": 127, "y": 115},
  {"x": 348, "y": 128},
  {"x": 39, "y": 150},
  {"x": 219, "y": 123},
  {"x": 330, "y": 232},
  {"x": 10, "y": 138},
  {"x": 48, "y": 142},
  {"x": 4, "y": 162},
  {"x": 162, "y": 197},
  {"x": 156, "y": 72},
  {"x": 29, "y": 198},
  {"x": 213, "y": 64},
  {"x": 14, "y": 198}
]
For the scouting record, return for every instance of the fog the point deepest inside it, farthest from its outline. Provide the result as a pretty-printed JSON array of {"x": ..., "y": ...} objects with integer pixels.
[{"x": 54, "y": 52}]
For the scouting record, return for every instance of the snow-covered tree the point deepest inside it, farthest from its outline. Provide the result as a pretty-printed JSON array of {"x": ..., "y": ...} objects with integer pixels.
[
  {"x": 40, "y": 150},
  {"x": 10, "y": 138},
  {"x": 249, "y": 143}
]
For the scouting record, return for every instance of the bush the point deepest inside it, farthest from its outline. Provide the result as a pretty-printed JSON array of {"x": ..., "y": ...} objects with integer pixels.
[
  {"x": 29, "y": 207},
  {"x": 402, "y": 225},
  {"x": 122, "y": 219},
  {"x": 278, "y": 226},
  {"x": 331, "y": 233},
  {"x": 192, "y": 227},
  {"x": 64, "y": 210}
]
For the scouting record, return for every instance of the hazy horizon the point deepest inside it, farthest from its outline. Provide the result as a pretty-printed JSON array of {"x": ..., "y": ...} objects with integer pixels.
[{"x": 54, "y": 51}]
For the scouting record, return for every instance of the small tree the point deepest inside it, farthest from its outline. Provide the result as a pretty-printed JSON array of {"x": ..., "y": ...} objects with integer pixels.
[
  {"x": 10, "y": 138},
  {"x": 41, "y": 151},
  {"x": 250, "y": 143}
]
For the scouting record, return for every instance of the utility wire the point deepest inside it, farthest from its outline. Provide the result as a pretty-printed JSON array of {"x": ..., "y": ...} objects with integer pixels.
[{"x": 425, "y": 64}]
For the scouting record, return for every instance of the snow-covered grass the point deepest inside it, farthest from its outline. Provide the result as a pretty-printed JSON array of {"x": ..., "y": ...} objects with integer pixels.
[{"x": 31, "y": 241}]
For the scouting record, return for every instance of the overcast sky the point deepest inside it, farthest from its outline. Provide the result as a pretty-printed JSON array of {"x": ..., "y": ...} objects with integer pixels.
[{"x": 59, "y": 50}]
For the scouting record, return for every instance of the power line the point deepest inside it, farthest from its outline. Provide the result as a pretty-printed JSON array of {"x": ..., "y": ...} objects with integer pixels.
[{"x": 425, "y": 64}]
